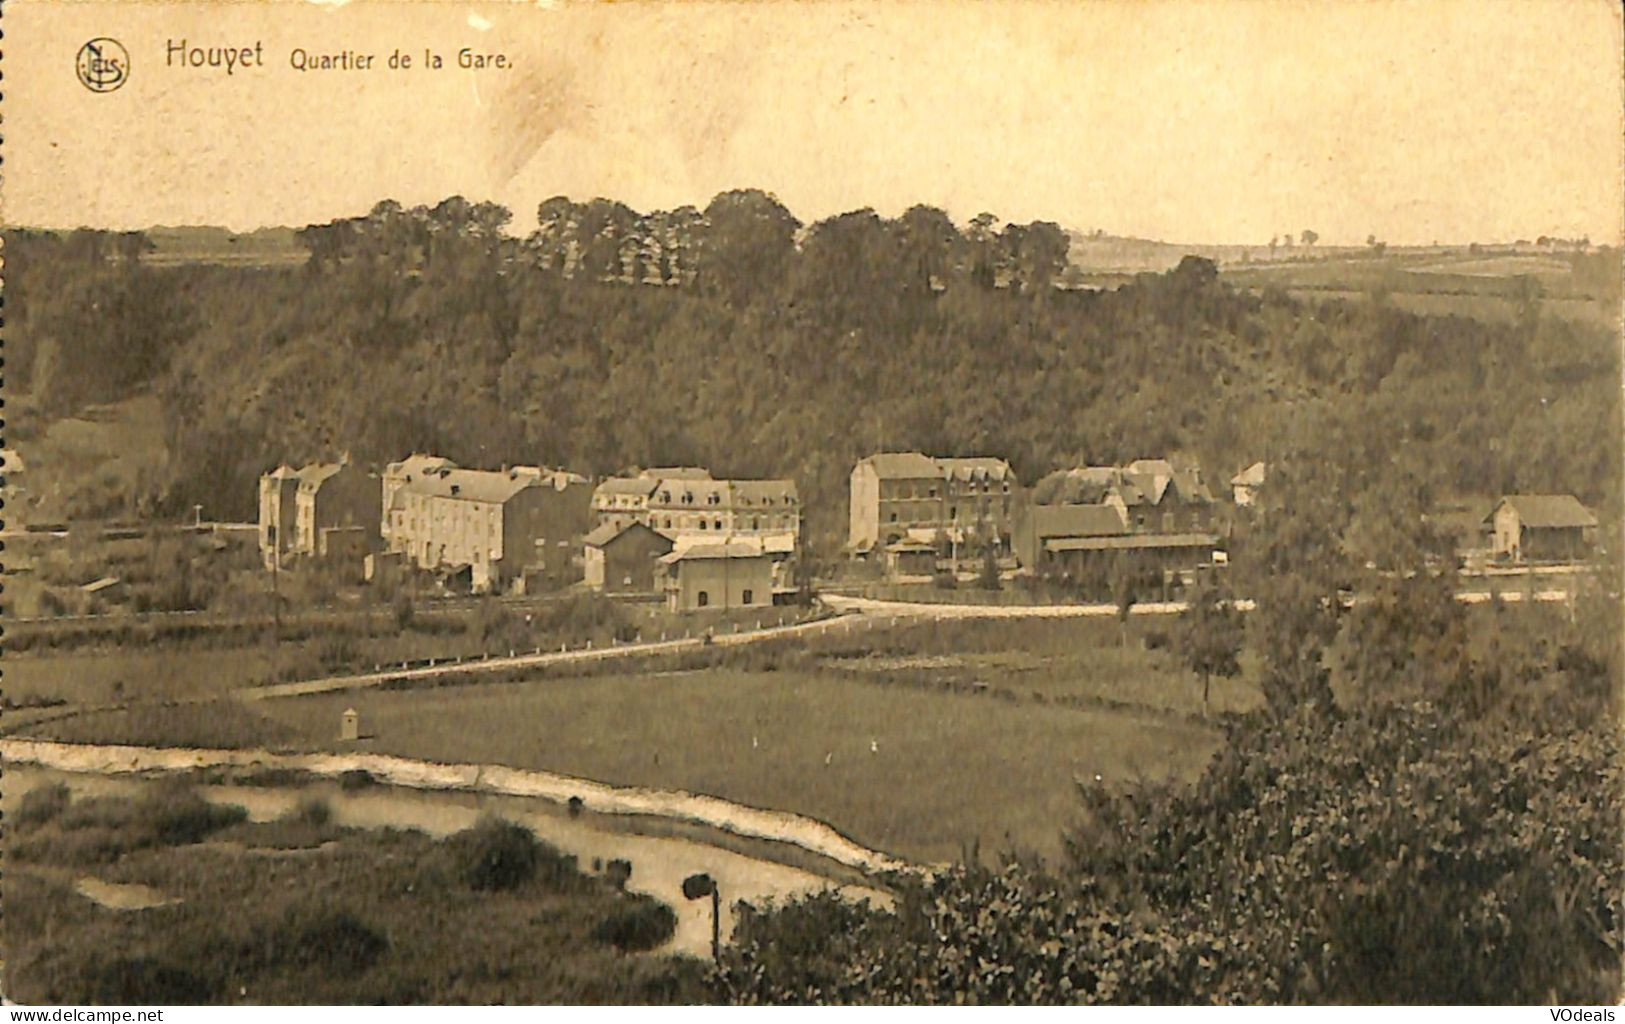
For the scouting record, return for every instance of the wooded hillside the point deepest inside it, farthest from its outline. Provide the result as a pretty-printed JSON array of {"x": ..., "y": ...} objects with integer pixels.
[{"x": 736, "y": 337}]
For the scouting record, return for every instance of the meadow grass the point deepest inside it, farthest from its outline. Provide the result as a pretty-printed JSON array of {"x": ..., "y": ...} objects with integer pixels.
[{"x": 919, "y": 773}]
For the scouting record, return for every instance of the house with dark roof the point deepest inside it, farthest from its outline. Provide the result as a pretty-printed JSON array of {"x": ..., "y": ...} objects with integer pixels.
[
  {"x": 1156, "y": 512},
  {"x": 624, "y": 559},
  {"x": 1541, "y": 528},
  {"x": 896, "y": 496}
]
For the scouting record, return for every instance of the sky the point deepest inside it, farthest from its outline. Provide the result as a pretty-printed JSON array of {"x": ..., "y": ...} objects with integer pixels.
[{"x": 1191, "y": 121}]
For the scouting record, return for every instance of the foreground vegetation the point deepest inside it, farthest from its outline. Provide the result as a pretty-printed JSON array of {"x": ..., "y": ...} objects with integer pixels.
[
  {"x": 299, "y": 911},
  {"x": 1425, "y": 809}
]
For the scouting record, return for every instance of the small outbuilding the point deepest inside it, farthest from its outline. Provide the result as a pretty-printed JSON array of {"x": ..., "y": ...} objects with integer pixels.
[
  {"x": 624, "y": 559},
  {"x": 910, "y": 557},
  {"x": 1541, "y": 528},
  {"x": 726, "y": 575}
]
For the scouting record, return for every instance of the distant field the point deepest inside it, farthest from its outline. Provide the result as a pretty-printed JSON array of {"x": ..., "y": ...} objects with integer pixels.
[
  {"x": 266, "y": 247},
  {"x": 947, "y": 770}
]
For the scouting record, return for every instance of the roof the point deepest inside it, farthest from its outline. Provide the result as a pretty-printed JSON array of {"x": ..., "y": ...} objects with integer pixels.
[
  {"x": 905, "y": 546},
  {"x": 283, "y": 472},
  {"x": 97, "y": 586},
  {"x": 676, "y": 473},
  {"x": 903, "y": 465},
  {"x": 1548, "y": 511},
  {"x": 1135, "y": 541},
  {"x": 642, "y": 486},
  {"x": 1252, "y": 476},
  {"x": 479, "y": 485},
  {"x": 419, "y": 463},
  {"x": 975, "y": 468},
  {"x": 711, "y": 551},
  {"x": 1077, "y": 521},
  {"x": 602, "y": 535},
  {"x": 312, "y": 477},
  {"x": 764, "y": 492}
]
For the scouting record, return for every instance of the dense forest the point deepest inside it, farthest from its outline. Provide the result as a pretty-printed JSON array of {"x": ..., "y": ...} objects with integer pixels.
[{"x": 738, "y": 338}]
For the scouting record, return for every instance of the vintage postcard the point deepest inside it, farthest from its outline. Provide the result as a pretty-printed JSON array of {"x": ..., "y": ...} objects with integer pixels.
[{"x": 812, "y": 503}]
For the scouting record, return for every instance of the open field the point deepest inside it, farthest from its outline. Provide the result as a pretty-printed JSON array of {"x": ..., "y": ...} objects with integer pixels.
[{"x": 917, "y": 773}]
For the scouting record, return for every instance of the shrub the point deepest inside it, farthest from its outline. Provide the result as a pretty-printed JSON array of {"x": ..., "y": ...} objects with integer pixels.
[
  {"x": 496, "y": 854},
  {"x": 313, "y": 811},
  {"x": 618, "y": 872},
  {"x": 42, "y": 803},
  {"x": 405, "y": 612},
  {"x": 642, "y": 926},
  {"x": 356, "y": 778},
  {"x": 177, "y": 817},
  {"x": 336, "y": 939}
]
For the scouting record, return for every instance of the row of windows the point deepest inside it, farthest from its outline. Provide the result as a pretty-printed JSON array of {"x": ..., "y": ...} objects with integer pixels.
[
  {"x": 715, "y": 498},
  {"x": 907, "y": 491}
]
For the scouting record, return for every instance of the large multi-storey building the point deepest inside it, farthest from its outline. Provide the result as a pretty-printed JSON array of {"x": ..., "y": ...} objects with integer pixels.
[
  {"x": 899, "y": 496},
  {"x": 322, "y": 510},
  {"x": 499, "y": 526},
  {"x": 689, "y": 506}
]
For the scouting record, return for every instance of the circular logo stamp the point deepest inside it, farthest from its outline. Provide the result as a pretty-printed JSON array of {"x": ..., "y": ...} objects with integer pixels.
[{"x": 103, "y": 65}]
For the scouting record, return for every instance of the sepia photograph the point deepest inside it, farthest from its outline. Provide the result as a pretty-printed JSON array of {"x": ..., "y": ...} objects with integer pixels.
[{"x": 812, "y": 503}]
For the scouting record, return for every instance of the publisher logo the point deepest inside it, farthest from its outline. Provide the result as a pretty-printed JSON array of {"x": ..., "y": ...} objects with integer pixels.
[{"x": 103, "y": 65}]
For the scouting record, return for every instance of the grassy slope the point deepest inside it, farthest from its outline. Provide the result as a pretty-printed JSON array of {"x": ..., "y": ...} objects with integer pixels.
[{"x": 446, "y": 942}]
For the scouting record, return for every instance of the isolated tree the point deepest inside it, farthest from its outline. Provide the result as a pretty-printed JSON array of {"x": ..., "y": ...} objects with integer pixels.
[
  {"x": 988, "y": 579},
  {"x": 1208, "y": 637},
  {"x": 1125, "y": 586},
  {"x": 1309, "y": 236},
  {"x": 1293, "y": 567}
]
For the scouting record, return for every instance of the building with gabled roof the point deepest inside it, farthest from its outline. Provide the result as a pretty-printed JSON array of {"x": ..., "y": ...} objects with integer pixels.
[
  {"x": 692, "y": 506},
  {"x": 898, "y": 495},
  {"x": 1244, "y": 486},
  {"x": 1156, "y": 511},
  {"x": 1541, "y": 528},
  {"x": 624, "y": 559},
  {"x": 500, "y": 526}
]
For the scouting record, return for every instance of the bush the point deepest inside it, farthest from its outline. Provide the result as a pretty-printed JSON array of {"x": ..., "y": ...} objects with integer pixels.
[
  {"x": 946, "y": 580},
  {"x": 178, "y": 817},
  {"x": 495, "y": 855},
  {"x": 618, "y": 872},
  {"x": 43, "y": 803},
  {"x": 356, "y": 778},
  {"x": 336, "y": 939},
  {"x": 642, "y": 926},
  {"x": 313, "y": 811}
]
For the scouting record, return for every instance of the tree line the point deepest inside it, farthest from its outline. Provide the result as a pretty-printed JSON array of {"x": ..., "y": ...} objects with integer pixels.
[{"x": 737, "y": 337}]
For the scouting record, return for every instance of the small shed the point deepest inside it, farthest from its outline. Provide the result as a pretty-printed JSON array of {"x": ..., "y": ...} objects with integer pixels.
[
  {"x": 911, "y": 558},
  {"x": 1541, "y": 528},
  {"x": 350, "y": 724}
]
